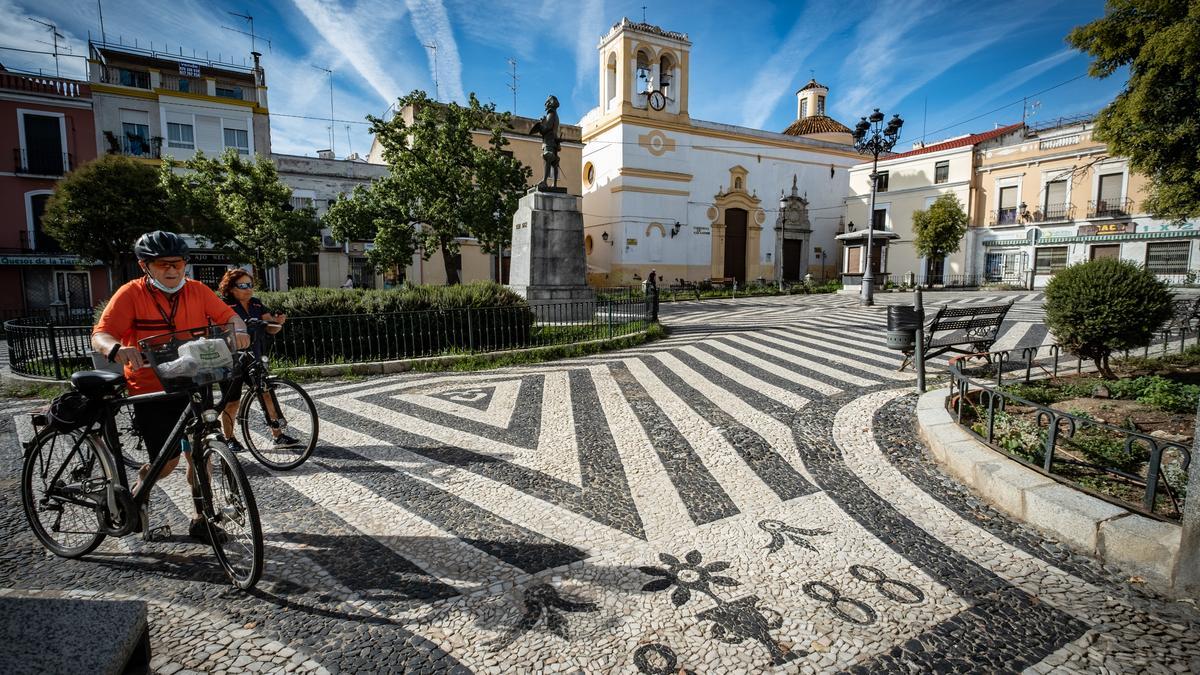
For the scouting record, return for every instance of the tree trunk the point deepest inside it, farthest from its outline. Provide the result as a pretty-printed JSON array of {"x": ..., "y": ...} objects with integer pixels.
[
  {"x": 449, "y": 260},
  {"x": 260, "y": 277}
]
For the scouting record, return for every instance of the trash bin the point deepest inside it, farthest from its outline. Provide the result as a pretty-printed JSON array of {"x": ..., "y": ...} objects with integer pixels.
[{"x": 902, "y": 323}]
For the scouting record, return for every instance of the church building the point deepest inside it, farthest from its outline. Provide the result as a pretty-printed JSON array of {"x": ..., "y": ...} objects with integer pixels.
[{"x": 699, "y": 200}]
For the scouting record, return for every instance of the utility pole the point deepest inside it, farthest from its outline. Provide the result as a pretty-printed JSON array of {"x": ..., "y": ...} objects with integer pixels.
[
  {"x": 513, "y": 62},
  {"x": 437, "y": 92},
  {"x": 55, "y": 35},
  {"x": 332, "y": 146}
]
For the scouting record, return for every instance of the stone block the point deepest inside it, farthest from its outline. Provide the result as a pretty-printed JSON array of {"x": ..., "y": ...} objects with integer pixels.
[
  {"x": 932, "y": 400},
  {"x": 1141, "y": 546},
  {"x": 1071, "y": 516},
  {"x": 59, "y": 635},
  {"x": 1004, "y": 484},
  {"x": 963, "y": 456}
]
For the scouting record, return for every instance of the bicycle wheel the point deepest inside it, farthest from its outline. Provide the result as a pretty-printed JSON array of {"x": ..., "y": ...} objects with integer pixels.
[
  {"x": 232, "y": 516},
  {"x": 279, "y": 424},
  {"x": 65, "y": 513}
]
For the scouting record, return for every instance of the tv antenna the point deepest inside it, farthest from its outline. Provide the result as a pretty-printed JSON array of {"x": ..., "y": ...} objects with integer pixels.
[
  {"x": 437, "y": 92},
  {"x": 1029, "y": 111},
  {"x": 513, "y": 62},
  {"x": 332, "y": 146},
  {"x": 250, "y": 20},
  {"x": 54, "y": 36}
]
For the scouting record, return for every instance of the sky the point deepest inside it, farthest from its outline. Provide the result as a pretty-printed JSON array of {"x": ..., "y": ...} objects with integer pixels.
[{"x": 947, "y": 67}]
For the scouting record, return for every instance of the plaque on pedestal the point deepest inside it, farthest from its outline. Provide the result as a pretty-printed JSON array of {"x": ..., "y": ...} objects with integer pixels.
[{"x": 548, "y": 262}]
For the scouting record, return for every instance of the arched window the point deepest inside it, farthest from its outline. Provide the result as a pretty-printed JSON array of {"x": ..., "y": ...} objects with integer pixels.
[
  {"x": 587, "y": 245},
  {"x": 610, "y": 81},
  {"x": 666, "y": 71},
  {"x": 642, "y": 80},
  {"x": 737, "y": 183}
]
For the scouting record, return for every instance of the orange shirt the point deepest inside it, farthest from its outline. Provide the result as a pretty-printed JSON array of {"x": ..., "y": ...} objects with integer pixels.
[{"x": 136, "y": 311}]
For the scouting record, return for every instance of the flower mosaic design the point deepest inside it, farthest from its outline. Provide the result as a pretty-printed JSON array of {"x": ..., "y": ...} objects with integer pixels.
[
  {"x": 780, "y": 530},
  {"x": 687, "y": 576},
  {"x": 543, "y": 602}
]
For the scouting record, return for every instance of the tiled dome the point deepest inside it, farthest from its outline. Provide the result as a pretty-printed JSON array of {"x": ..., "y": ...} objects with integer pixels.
[{"x": 816, "y": 124}]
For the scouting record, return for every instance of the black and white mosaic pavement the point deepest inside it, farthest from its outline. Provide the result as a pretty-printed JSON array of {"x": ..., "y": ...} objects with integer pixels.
[{"x": 747, "y": 495}]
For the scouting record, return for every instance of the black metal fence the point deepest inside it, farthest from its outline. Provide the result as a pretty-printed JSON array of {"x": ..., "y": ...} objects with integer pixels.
[
  {"x": 43, "y": 349},
  {"x": 1118, "y": 463}
]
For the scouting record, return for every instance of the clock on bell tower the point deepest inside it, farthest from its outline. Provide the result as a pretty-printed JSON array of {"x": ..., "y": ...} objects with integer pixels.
[{"x": 643, "y": 71}]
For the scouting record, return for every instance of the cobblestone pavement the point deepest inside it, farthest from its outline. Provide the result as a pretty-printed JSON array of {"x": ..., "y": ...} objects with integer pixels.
[{"x": 746, "y": 495}]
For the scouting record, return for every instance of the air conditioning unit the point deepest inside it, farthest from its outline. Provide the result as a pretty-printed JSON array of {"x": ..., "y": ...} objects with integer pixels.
[{"x": 329, "y": 242}]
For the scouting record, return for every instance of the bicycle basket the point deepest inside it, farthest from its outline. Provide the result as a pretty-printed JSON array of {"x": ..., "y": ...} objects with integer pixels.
[
  {"x": 192, "y": 358},
  {"x": 71, "y": 410}
]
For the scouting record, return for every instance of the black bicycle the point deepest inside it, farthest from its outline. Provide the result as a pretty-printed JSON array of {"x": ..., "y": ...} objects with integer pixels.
[
  {"x": 277, "y": 418},
  {"x": 74, "y": 487}
]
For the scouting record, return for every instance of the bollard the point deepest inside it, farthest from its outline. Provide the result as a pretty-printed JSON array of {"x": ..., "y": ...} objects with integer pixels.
[
  {"x": 919, "y": 354},
  {"x": 1187, "y": 568}
]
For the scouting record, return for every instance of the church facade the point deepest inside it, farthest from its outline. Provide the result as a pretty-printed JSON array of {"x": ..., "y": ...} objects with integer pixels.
[{"x": 699, "y": 200}]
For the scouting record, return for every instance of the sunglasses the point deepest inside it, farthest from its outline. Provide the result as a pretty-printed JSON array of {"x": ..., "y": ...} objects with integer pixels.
[
  {"x": 168, "y": 264},
  {"x": 245, "y": 286}
]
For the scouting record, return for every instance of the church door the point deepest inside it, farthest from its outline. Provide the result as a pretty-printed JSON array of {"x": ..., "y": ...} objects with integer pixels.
[
  {"x": 735, "y": 244},
  {"x": 792, "y": 251}
]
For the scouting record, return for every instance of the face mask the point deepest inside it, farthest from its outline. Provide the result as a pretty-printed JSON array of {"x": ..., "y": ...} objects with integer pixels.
[{"x": 163, "y": 287}]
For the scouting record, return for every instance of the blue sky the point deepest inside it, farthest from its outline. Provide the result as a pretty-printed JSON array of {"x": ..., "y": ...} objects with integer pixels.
[{"x": 936, "y": 63}]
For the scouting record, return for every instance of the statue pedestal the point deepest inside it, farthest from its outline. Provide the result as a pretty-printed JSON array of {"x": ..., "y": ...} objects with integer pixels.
[{"x": 548, "y": 264}]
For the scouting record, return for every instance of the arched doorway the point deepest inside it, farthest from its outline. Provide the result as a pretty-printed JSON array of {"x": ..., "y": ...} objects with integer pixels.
[{"x": 735, "y": 244}]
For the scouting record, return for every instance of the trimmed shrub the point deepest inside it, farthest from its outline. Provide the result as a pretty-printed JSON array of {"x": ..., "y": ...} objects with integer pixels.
[
  {"x": 1098, "y": 307},
  {"x": 330, "y": 325}
]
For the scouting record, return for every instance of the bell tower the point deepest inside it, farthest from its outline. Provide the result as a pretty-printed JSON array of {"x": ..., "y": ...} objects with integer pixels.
[{"x": 643, "y": 71}]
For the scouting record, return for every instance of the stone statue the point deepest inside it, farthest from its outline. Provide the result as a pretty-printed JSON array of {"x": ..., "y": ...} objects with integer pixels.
[{"x": 547, "y": 128}]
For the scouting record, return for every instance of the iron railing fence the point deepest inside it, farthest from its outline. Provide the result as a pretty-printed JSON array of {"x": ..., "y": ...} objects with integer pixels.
[
  {"x": 42, "y": 349},
  {"x": 1051, "y": 212},
  {"x": 1120, "y": 464},
  {"x": 1110, "y": 208},
  {"x": 41, "y": 162}
]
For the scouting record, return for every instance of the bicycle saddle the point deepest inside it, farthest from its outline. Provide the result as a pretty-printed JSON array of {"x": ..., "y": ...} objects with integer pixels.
[{"x": 97, "y": 382}]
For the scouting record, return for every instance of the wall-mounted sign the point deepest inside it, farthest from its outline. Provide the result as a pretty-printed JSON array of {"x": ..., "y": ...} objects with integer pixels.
[
  {"x": 631, "y": 242},
  {"x": 39, "y": 260},
  {"x": 189, "y": 69},
  {"x": 702, "y": 230},
  {"x": 1105, "y": 228}
]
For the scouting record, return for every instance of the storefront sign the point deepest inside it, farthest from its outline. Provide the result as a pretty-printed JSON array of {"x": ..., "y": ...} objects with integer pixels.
[
  {"x": 189, "y": 69},
  {"x": 39, "y": 260},
  {"x": 1105, "y": 228}
]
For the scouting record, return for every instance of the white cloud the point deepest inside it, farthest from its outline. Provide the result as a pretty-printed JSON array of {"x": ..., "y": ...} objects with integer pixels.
[
  {"x": 349, "y": 32},
  {"x": 777, "y": 76},
  {"x": 432, "y": 25}
]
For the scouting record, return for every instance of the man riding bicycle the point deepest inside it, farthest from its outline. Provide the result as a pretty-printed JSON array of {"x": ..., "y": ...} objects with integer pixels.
[{"x": 162, "y": 301}]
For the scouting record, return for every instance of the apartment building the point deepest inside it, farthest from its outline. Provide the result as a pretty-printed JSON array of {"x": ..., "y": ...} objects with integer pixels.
[
  {"x": 1054, "y": 196},
  {"x": 46, "y": 130},
  {"x": 318, "y": 182},
  {"x": 908, "y": 182}
]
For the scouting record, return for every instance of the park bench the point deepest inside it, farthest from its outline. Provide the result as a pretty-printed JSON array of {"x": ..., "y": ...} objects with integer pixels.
[
  {"x": 723, "y": 282},
  {"x": 962, "y": 329},
  {"x": 684, "y": 286}
]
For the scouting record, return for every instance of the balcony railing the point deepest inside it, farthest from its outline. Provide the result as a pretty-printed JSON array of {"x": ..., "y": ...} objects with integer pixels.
[
  {"x": 37, "y": 84},
  {"x": 1004, "y": 216},
  {"x": 125, "y": 77},
  {"x": 134, "y": 146},
  {"x": 186, "y": 85},
  {"x": 40, "y": 162},
  {"x": 1110, "y": 208},
  {"x": 1052, "y": 212}
]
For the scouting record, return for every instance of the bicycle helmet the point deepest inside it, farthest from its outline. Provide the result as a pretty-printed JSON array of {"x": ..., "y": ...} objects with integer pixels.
[{"x": 160, "y": 244}]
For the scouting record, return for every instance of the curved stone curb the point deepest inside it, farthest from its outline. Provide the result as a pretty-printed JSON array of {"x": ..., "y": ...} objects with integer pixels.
[{"x": 1139, "y": 545}]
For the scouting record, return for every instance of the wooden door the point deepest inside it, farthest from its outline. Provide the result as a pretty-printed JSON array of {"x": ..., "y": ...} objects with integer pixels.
[
  {"x": 792, "y": 251},
  {"x": 735, "y": 244}
]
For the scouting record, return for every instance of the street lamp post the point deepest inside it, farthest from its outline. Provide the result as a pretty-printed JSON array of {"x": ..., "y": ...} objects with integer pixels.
[{"x": 871, "y": 137}]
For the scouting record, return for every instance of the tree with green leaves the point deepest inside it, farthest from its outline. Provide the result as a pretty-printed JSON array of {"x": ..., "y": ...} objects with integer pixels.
[
  {"x": 1153, "y": 120},
  {"x": 100, "y": 209},
  {"x": 240, "y": 206},
  {"x": 939, "y": 230},
  {"x": 442, "y": 185}
]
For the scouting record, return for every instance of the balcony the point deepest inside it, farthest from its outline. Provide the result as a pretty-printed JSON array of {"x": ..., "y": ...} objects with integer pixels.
[
  {"x": 185, "y": 85},
  {"x": 40, "y": 162},
  {"x": 1110, "y": 208},
  {"x": 125, "y": 77},
  {"x": 133, "y": 146},
  {"x": 1004, "y": 216},
  {"x": 1051, "y": 213}
]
